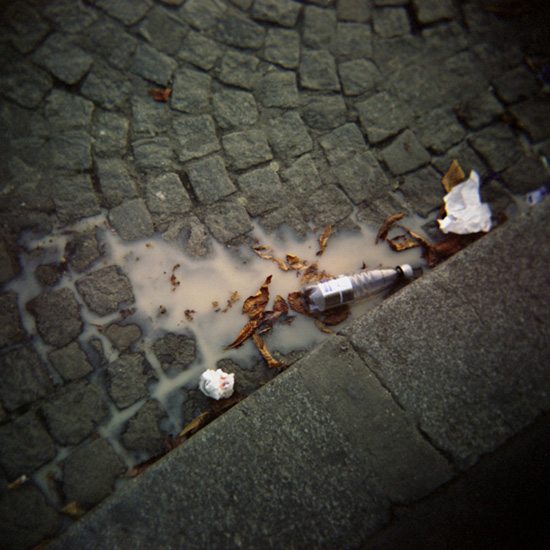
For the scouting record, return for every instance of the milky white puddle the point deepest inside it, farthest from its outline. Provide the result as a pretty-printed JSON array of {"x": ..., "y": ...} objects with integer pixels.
[{"x": 167, "y": 283}]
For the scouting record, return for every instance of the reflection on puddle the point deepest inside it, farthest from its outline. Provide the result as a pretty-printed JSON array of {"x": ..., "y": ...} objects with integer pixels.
[{"x": 177, "y": 294}]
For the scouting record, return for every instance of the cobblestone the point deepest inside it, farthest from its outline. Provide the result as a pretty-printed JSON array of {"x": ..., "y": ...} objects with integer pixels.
[
  {"x": 70, "y": 362},
  {"x": 480, "y": 111},
  {"x": 282, "y": 46},
  {"x": 238, "y": 69},
  {"x": 325, "y": 112},
  {"x": 353, "y": 40},
  {"x": 359, "y": 76},
  {"x": 288, "y": 135},
  {"x": 154, "y": 154},
  {"x": 423, "y": 190},
  {"x": 209, "y": 179},
  {"x": 65, "y": 111},
  {"x": 25, "y": 84},
  {"x": 115, "y": 182},
  {"x": 11, "y": 331},
  {"x": 246, "y": 149},
  {"x": 143, "y": 432},
  {"x": 26, "y": 27},
  {"x": 123, "y": 336},
  {"x": 282, "y": 12},
  {"x": 163, "y": 30},
  {"x": 342, "y": 143},
  {"x": 127, "y": 11},
  {"x": 497, "y": 145},
  {"x": 318, "y": 71},
  {"x": 152, "y": 64},
  {"x": 202, "y": 14},
  {"x": 106, "y": 87},
  {"x": 279, "y": 89},
  {"x": 227, "y": 221},
  {"x": 515, "y": 85},
  {"x": 234, "y": 108},
  {"x": 262, "y": 189},
  {"x": 533, "y": 115},
  {"x": 439, "y": 130},
  {"x": 391, "y": 22},
  {"x": 190, "y": 91},
  {"x": 319, "y": 27},
  {"x": 236, "y": 30},
  {"x": 110, "y": 134},
  {"x": 405, "y": 154},
  {"x": 71, "y": 150},
  {"x": 127, "y": 379},
  {"x": 196, "y": 135}
]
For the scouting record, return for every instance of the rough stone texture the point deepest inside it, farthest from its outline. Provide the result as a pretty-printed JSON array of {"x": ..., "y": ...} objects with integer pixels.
[
  {"x": 49, "y": 274},
  {"x": 149, "y": 118},
  {"x": 227, "y": 221},
  {"x": 328, "y": 205},
  {"x": 26, "y": 518},
  {"x": 209, "y": 179},
  {"x": 279, "y": 89},
  {"x": 190, "y": 91},
  {"x": 11, "y": 331},
  {"x": 526, "y": 175},
  {"x": 191, "y": 235},
  {"x": 9, "y": 267},
  {"x": 115, "y": 182},
  {"x": 65, "y": 111},
  {"x": 318, "y": 71},
  {"x": 131, "y": 220},
  {"x": 105, "y": 289},
  {"x": 57, "y": 316},
  {"x": 166, "y": 197},
  {"x": 175, "y": 350},
  {"x": 142, "y": 432},
  {"x": 352, "y": 40},
  {"x": 71, "y": 150},
  {"x": 262, "y": 189},
  {"x": 127, "y": 11},
  {"x": 282, "y": 46},
  {"x": 353, "y": 10},
  {"x": 82, "y": 251},
  {"x": 201, "y": 51},
  {"x": 234, "y": 108},
  {"x": 497, "y": 146},
  {"x": 73, "y": 412},
  {"x": 301, "y": 177},
  {"x": 24, "y": 446},
  {"x": 423, "y": 190},
  {"x": 288, "y": 135},
  {"x": 89, "y": 473},
  {"x": 391, "y": 22},
  {"x": 163, "y": 30},
  {"x": 516, "y": 84},
  {"x": 533, "y": 116},
  {"x": 106, "y": 87},
  {"x": 123, "y": 336},
  {"x": 439, "y": 130},
  {"x": 202, "y": 14},
  {"x": 127, "y": 379},
  {"x": 246, "y": 149},
  {"x": 430, "y": 11},
  {"x": 325, "y": 112},
  {"x": 281, "y": 12},
  {"x": 74, "y": 197},
  {"x": 196, "y": 136},
  {"x": 25, "y": 84},
  {"x": 405, "y": 154},
  {"x": 110, "y": 134},
  {"x": 480, "y": 110},
  {"x": 236, "y": 30},
  {"x": 359, "y": 76},
  {"x": 342, "y": 143},
  {"x": 26, "y": 27},
  {"x": 70, "y": 362},
  {"x": 154, "y": 154},
  {"x": 239, "y": 69}
]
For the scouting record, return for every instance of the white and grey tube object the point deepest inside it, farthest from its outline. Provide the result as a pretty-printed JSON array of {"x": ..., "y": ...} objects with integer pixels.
[{"x": 349, "y": 288}]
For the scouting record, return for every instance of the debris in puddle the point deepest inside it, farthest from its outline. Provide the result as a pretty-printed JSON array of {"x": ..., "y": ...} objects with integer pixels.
[
  {"x": 260, "y": 344},
  {"x": 534, "y": 197},
  {"x": 160, "y": 95},
  {"x": 217, "y": 384},
  {"x": 323, "y": 238}
]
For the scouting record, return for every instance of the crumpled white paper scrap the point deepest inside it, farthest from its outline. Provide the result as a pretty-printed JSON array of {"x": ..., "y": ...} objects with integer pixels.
[
  {"x": 465, "y": 211},
  {"x": 217, "y": 384}
]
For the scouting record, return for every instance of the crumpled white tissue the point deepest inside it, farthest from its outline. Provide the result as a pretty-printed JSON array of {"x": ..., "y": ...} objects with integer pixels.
[
  {"x": 465, "y": 211},
  {"x": 217, "y": 384}
]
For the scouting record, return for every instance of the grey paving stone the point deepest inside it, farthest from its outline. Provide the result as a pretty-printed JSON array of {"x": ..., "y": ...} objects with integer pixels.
[
  {"x": 106, "y": 87},
  {"x": 319, "y": 27},
  {"x": 239, "y": 69},
  {"x": 281, "y": 12},
  {"x": 195, "y": 403},
  {"x": 26, "y": 28},
  {"x": 70, "y": 362},
  {"x": 57, "y": 316},
  {"x": 391, "y": 2},
  {"x": 190, "y": 91},
  {"x": 110, "y": 41},
  {"x": 82, "y": 250},
  {"x": 166, "y": 197},
  {"x": 237, "y": 30},
  {"x": 328, "y": 205},
  {"x": 323, "y": 3},
  {"x": 359, "y": 76},
  {"x": 342, "y": 143},
  {"x": 288, "y": 135},
  {"x": 466, "y": 157},
  {"x": 423, "y": 191},
  {"x": 153, "y": 65},
  {"x": 243, "y": 4},
  {"x": 175, "y": 351},
  {"x": 227, "y": 221},
  {"x": 430, "y": 11},
  {"x": 526, "y": 175},
  {"x": 325, "y": 112},
  {"x": 301, "y": 178},
  {"x": 110, "y": 134},
  {"x": 25, "y": 446},
  {"x": 383, "y": 115},
  {"x": 23, "y": 378},
  {"x": 318, "y": 71},
  {"x": 71, "y": 150},
  {"x": 190, "y": 235},
  {"x": 246, "y": 148},
  {"x": 105, "y": 289},
  {"x": 497, "y": 146},
  {"x": 480, "y": 111},
  {"x": 163, "y": 30},
  {"x": 65, "y": 111},
  {"x": 353, "y": 10},
  {"x": 173, "y": 2},
  {"x": 72, "y": 412},
  {"x": 405, "y": 154},
  {"x": 290, "y": 216},
  {"x": 127, "y": 11},
  {"x": 262, "y": 189},
  {"x": 154, "y": 153},
  {"x": 282, "y": 46},
  {"x": 131, "y": 220},
  {"x": 438, "y": 130},
  {"x": 390, "y": 445},
  {"x": 11, "y": 331},
  {"x": 196, "y": 135},
  {"x": 69, "y": 16},
  {"x": 127, "y": 379},
  {"x": 123, "y": 336},
  {"x": 200, "y": 51},
  {"x": 74, "y": 197},
  {"x": 63, "y": 59},
  {"x": 516, "y": 84},
  {"x": 209, "y": 179},
  {"x": 202, "y": 14},
  {"x": 89, "y": 473},
  {"x": 149, "y": 118},
  {"x": 352, "y": 40},
  {"x": 143, "y": 433},
  {"x": 115, "y": 182},
  {"x": 49, "y": 274},
  {"x": 533, "y": 116},
  {"x": 26, "y": 519},
  {"x": 234, "y": 108},
  {"x": 9, "y": 266},
  {"x": 25, "y": 84},
  {"x": 391, "y": 22},
  {"x": 362, "y": 178},
  {"x": 376, "y": 212},
  {"x": 279, "y": 89}
]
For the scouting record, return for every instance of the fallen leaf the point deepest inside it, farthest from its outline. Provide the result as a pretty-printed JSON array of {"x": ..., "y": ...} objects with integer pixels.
[
  {"x": 259, "y": 250},
  {"x": 295, "y": 301},
  {"x": 260, "y": 344},
  {"x": 310, "y": 272},
  {"x": 322, "y": 327},
  {"x": 402, "y": 242},
  {"x": 160, "y": 95},
  {"x": 453, "y": 176},
  {"x": 196, "y": 424},
  {"x": 323, "y": 238},
  {"x": 295, "y": 262},
  {"x": 189, "y": 314},
  {"x": 18, "y": 482},
  {"x": 235, "y": 297},
  {"x": 386, "y": 226},
  {"x": 269, "y": 318},
  {"x": 245, "y": 333},
  {"x": 255, "y": 304},
  {"x": 336, "y": 315},
  {"x": 73, "y": 510}
]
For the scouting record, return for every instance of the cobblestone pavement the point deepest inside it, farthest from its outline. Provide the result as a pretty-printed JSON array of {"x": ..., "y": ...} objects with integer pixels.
[{"x": 280, "y": 111}]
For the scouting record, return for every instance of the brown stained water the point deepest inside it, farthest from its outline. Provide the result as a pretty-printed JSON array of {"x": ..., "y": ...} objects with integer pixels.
[{"x": 166, "y": 283}]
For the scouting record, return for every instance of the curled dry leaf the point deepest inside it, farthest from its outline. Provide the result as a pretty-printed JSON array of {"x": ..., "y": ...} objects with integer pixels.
[
  {"x": 73, "y": 510},
  {"x": 260, "y": 251},
  {"x": 296, "y": 303},
  {"x": 453, "y": 176},
  {"x": 269, "y": 318},
  {"x": 322, "y": 327},
  {"x": 386, "y": 226},
  {"x": 160, "y": 95},
  {"x": 336, "y": 315},
  {"x": 295, "y": 262},
  {"x": 255, "y": 304},
  {"x": 245, "y": 333},
  {"x": 260, "y": 344},
  {"x": 323, "y": 239},
  {"x": 402, "y": 242}
]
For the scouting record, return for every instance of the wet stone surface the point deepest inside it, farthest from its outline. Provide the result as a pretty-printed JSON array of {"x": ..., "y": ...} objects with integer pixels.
[
  {"x": 175, "y": 351},
  {"x": 127, "y": 379}
]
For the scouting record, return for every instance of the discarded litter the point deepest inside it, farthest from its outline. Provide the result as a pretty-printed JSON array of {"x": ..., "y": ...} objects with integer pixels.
[
  {"x": 217, "y": 384},
  {"x": 534, "y": 197},
  {"x": 350, "y": 288},
  {"x": 465, "y": 211}
]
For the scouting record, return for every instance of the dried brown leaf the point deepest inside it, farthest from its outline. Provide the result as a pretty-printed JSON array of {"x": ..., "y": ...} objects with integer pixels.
[
  {"x": 160, "y": 95},
  {"x": 386, "y": 226},
  {"x": 323, "y": 239},
  {"x": 73, "y": 510},
  {"x": 322, "y": 327},
  {"x": 255, "y": 304},
  {"x": 453, "y": 176},
  {"x": 260, "y": 344},
  {"x": 260, "y": 251},
  {"x": 402, "y": 242},
  {"x": 336, "y": 315},
  {"x": 295, "y": 301},
  {"x": 196, "y": 424},
  {"x": 310, "y": 272},
  {"x": 245, "y": 333},
  {"x": 295, "y": 262}
]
